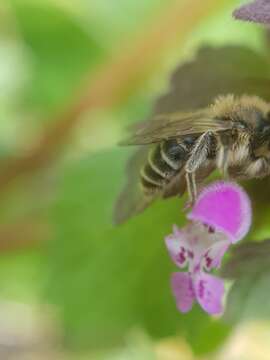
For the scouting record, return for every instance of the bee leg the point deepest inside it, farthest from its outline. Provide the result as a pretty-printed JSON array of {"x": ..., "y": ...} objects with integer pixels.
[
  {"x": 223, "y": 161},
  {"x": 199, "y": 155},
  {"x": 191, "y": 188}
]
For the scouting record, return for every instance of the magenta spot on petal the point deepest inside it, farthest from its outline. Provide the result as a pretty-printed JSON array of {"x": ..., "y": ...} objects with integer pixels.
[
  {"x": 210, "y": 229},
  {"x": 181, "y": 258},
  {"x": 201, "y": 289},
  {"x": 190, "y": 254},
  {"x": 209, "y": 292},
  {"x": 208, "y": 262}
]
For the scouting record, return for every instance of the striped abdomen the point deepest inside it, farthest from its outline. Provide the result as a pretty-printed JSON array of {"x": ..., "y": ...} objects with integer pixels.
[{"x": 165, "y": 160}]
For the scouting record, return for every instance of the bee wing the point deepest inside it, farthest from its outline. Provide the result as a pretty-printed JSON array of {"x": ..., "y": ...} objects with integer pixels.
[
  {"x": 167, "y": 126},
  {"x": 132, "y": 200}
]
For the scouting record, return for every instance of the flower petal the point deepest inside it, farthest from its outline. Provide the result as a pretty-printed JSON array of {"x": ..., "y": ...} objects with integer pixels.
[
  {"x": 213, "y": 256},
  {"x": 179, "y": 247},
  {"x": 182, "y": 288},
  {"x": 257, "y": 11},
  {"x": 224, "y": 206},
  {"x": 209, "y": 292}
]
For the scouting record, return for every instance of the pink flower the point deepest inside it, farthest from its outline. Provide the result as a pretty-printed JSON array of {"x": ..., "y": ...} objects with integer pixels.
[{"x": 220, "y": 216}]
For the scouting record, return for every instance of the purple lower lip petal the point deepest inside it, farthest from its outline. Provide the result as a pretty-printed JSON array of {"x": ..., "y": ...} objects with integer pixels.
[
  {"x": 209, "y": 291},
  {"x": 182, "y": 288}
]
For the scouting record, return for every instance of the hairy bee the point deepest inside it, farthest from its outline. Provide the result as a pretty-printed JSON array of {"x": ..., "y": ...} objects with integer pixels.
[{"x": 232, "y": 135}]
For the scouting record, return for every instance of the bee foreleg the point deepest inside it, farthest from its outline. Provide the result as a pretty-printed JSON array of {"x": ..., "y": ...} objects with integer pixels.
[
  {"x": 191, "y": 187},
  {"x": 198, "y": 156},
  {"x": 222, "y": 162}
]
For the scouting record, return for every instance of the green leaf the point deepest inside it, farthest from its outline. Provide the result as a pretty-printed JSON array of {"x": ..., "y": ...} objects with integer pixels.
[
  {"x": 107, "y": 280},
  {"x": 61, "y": 50},
  {"x": 226, "y": 70},
  {"x": 22, "y": 276},
  {"x": 249, "y": 266}
]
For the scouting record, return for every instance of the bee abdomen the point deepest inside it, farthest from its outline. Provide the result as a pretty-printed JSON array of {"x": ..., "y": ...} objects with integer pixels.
[
  {"x": 174, "y": 153},
  {"x": 164, "y": 161},
  {"x": 155, "y": 172},
  {"x": 151, "y": 176}
]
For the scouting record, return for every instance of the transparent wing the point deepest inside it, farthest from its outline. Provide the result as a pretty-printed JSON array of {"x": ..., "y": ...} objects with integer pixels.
[
  {"x": 132, "y": 200},
  {"x": 167, "y": 126}
]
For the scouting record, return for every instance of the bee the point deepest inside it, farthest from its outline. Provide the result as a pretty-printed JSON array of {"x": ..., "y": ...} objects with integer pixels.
[{"x": 179, "y": 150}]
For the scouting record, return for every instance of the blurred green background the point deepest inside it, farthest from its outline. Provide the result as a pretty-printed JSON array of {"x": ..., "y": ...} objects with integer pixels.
[{"x": 72, "y": 285}]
